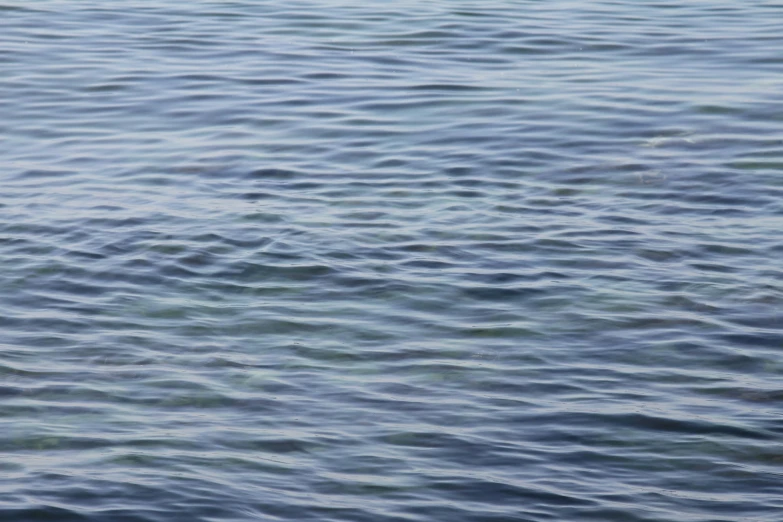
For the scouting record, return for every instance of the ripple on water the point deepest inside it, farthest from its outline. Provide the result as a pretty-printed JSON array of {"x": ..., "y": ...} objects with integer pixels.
[{"x": 421, "y": 261}]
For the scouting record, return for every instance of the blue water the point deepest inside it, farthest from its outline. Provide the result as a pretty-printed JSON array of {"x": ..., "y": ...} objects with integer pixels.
[{"x": 391, "y": 261}]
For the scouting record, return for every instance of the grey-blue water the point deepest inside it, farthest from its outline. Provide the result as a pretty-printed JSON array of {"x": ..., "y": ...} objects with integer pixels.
[{"x": 375, "y": 261}]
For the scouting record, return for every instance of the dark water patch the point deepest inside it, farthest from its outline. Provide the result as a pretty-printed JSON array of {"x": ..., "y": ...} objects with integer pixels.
[{"x": 501, "y": 294}]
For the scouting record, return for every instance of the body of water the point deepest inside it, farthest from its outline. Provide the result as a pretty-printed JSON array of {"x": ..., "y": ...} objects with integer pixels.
[{"x": 375, "y": 261}]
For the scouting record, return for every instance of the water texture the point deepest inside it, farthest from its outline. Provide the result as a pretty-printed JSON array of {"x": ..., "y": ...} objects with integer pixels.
[{"x": 391, "y": 261}]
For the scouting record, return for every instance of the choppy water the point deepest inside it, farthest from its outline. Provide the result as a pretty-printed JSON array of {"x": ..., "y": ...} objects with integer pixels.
[{"x": 391, "y": 261}]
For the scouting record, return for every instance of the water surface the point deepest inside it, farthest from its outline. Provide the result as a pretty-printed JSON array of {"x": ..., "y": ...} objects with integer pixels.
[{"x": 391, "y": 261}]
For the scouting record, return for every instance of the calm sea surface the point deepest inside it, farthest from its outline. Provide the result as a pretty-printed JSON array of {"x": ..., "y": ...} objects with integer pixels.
[{"x": 391, "y": 261}]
